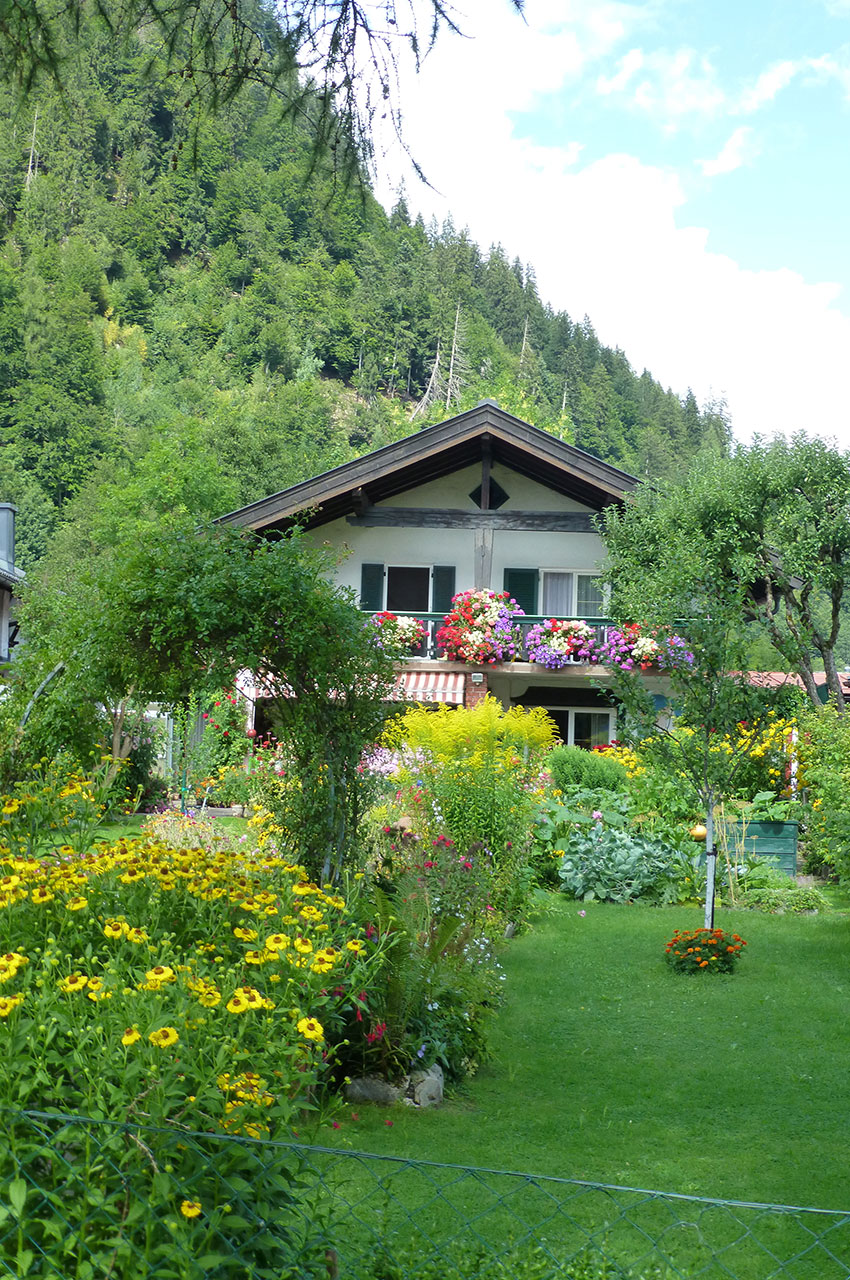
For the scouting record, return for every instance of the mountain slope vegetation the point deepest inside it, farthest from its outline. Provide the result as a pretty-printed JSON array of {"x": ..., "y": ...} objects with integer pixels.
[{"x": 196, "y": 311}]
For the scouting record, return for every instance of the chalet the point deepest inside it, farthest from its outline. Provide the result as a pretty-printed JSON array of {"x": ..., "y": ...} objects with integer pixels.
[
  {"x": 10, "y": 577},
  {"x": 482, "y": 500}
]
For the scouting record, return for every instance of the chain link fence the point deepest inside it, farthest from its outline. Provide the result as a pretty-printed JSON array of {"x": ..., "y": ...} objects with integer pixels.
[{"x": 89, "y": 1199}]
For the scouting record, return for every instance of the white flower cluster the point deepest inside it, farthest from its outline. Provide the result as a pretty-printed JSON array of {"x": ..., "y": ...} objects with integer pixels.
[{"x": 645, "y": 649}]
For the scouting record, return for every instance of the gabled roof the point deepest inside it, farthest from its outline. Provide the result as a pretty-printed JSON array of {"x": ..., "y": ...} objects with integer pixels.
[{"x": 438, "y": 451}]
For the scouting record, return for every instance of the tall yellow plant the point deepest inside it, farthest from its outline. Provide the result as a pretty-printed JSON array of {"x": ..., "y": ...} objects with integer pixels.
[{"x": 450, "y": 734}]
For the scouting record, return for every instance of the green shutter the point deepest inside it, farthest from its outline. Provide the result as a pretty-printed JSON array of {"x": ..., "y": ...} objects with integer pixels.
[
  {"x": 442, "y": 587},
  {"x": 522, "y": 585},
  {"x": 372, "y": 587}
]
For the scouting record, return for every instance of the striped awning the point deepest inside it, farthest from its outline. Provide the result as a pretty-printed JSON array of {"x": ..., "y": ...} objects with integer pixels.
[
  {"x": 432, "y": 686},
  {"x": 415, "y": 686}
]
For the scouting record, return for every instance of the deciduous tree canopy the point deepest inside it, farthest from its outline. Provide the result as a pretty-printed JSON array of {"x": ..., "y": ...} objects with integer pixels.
[{"x": 766, "y": 529}]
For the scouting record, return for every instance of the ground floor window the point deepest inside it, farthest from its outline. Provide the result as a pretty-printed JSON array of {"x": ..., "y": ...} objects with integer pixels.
[{"x": 580, "y": 727}]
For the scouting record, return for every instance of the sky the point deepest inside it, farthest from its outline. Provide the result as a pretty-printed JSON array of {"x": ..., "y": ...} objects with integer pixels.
[{"x": 677, "y": 170}]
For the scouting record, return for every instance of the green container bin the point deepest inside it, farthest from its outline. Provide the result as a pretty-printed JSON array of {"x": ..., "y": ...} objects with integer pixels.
[{"x": 774, "y": 841}]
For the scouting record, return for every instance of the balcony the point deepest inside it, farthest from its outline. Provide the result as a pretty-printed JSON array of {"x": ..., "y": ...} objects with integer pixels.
[{"x": 428, "y": 649}]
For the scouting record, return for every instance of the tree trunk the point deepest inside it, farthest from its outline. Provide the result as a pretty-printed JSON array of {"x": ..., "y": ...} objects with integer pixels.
[{"x": 710, "y": 862}]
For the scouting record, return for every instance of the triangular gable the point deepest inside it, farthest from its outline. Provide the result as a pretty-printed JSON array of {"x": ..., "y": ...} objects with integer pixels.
[{"x": 485, "y": 432}]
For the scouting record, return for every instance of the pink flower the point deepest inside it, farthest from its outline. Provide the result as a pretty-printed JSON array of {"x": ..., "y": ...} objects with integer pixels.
[{"x": 582, "y": 913}]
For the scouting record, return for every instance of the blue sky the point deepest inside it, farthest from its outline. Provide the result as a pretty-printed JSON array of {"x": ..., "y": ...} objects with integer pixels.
[{"x": 678, "y": 170}]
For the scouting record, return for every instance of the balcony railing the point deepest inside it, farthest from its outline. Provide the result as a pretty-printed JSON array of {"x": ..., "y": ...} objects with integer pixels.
[{"x": 433, "y": 621}]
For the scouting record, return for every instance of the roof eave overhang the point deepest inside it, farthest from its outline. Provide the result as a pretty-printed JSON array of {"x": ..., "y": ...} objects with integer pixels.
[{"x": 432, "y": 453}]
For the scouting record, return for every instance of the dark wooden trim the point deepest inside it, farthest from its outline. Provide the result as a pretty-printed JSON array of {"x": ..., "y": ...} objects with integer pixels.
[
  {"x": 486, "y": 461},
  {"x": 360, "y": 501},
  {"x": 436, "y": 518}
]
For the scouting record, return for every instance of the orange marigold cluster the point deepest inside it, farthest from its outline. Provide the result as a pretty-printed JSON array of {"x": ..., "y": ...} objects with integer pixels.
[{"x": 694, "y": 950}]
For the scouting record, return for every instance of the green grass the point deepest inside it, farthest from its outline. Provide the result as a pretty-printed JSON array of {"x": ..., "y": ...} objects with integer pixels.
[
  {"x": 608, "y": 1066},
  {"x": 130, "y": 825}
]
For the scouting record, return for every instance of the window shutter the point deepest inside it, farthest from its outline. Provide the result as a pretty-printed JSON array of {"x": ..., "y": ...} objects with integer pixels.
[
  {"x": 442, "y": 587},
  {"x": 372, "y": 587},
  {"x": 522, "y": 585}
]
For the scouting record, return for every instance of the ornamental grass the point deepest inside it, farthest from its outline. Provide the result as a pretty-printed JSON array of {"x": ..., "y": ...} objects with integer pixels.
[{"x": 704, "y": 951}]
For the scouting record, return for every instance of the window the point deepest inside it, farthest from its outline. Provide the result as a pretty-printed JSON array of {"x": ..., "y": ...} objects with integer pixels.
[
  {"x": 589, "y": 598},
  {"x": 407, "y": 588},
  {"x": 556, "y": 593},
  {"x": 582, "y": 728},
  {"x": 592, "y": 728}
]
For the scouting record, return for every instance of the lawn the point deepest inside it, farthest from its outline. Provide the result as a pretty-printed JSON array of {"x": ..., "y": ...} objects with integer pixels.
[
  {"x": 608, "y": 1066},
  {"x": 129, "y": 825}
]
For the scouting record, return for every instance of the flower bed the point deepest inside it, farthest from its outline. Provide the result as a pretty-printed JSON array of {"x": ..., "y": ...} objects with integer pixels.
[
  {"x": 213, "y": 981},
  {"x": 697, "y": 950},
  {"x": 481, "y": 628}
]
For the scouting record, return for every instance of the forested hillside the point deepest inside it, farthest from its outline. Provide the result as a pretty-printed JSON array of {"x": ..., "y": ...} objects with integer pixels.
[{"x": 194, "y": 313}]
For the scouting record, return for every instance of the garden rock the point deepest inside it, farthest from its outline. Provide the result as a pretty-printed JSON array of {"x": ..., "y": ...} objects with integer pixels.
[
  {"x": 426, "y": 1087},
  {"x": 373, "y": 1089}
]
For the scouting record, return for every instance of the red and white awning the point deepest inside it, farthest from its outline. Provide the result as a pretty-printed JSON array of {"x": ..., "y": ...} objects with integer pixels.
[
  {"x": 432, "y": 686},
  {"x": 414, "y": 686}
]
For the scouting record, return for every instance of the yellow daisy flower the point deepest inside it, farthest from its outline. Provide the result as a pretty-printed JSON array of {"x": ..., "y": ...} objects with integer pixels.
[{"x": 164, "y": 1038}]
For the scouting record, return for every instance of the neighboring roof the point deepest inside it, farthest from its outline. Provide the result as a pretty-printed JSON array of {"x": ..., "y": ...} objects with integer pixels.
[
  {"x": 438, "y": 451},
  {"x": 779, "y": 679}
]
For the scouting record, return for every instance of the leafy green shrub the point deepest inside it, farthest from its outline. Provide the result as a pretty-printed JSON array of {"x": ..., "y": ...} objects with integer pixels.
[
  {"x": 825, "y": 768},
  {"x": 138, "y": 784},
  {"x": 686, "y": 879},
  {"x": 573, "y": 766},
  {"x": 440, "y": 979},
  {"x": 704, "y": 950},
  {"x": 614, "y": 866},
  {"x": 791, "y": 897},
  {"x": 557, "y": 817}
]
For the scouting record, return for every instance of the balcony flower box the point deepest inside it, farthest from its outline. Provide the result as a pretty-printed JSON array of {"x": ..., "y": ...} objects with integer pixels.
[
  {"x": 554, "y": 644},
  {"x": 397, "y": 634},
  {"x": 481, "y": 628}
]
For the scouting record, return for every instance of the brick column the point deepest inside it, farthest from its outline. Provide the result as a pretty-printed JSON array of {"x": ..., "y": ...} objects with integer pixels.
[{"x": 474, "y": 693}]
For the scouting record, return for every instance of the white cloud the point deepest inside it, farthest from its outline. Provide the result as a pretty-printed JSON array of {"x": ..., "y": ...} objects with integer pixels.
[
  {"x": 737, "y": 150},
  {"x": 667, "y": 85},
  {"x": 768, "y": 85},
  {"x": 627, "y": 68},
  {"x": 829, "y": 67},
  {"x": 610, "y": 237}
]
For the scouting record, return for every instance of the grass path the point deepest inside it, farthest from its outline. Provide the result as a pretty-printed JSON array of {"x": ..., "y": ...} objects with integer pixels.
[{"x": 607, "y": 1066}]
